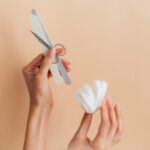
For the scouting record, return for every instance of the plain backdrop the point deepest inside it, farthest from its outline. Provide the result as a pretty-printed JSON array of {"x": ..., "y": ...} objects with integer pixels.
[{"x": 105, "y": 39}]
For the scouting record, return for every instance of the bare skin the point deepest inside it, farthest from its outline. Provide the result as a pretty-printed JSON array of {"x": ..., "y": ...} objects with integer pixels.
[
  {"x": 37, "y": 76},
  {"x": 110, "y": 130}
]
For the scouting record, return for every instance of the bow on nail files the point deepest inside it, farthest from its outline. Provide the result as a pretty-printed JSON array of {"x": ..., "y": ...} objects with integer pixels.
[{"x": 90, "y": 97}]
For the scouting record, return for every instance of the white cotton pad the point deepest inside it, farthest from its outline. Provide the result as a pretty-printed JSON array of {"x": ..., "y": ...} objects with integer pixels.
[{"x": 91, "y": 98}]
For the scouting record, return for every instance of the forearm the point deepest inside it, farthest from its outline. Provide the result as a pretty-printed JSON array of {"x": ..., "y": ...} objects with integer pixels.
[{"x": 36, "y": 130}]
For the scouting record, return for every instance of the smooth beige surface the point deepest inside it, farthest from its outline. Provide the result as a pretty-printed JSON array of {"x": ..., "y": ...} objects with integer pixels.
[{"x": 105, "y": 39}]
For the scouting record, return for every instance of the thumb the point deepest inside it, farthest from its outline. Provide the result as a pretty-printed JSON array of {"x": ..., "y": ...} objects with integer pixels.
[
  {"x": 84, "y": 126},
  {"x": 47, "y": 61}
]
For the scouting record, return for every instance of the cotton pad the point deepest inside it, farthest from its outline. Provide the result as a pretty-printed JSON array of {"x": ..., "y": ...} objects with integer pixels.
[{"x": 91, "y": 97}]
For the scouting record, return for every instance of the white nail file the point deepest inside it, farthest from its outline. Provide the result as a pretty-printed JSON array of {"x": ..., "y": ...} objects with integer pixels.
[{"x": 40, "y": 31}]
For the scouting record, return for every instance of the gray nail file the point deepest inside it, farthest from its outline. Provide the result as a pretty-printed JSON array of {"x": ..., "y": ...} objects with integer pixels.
[
  {"x": 41, "y": 35},
  {"x": 58, "y": 68},
  {"x": 44, "y": 32},
  {"x": 63, "y": 71}
]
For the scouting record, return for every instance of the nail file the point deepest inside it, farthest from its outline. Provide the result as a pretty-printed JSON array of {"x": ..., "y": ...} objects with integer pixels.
[
  {"x": 39, "y": 30},
  {"x": 63, "y": 71},
  {"x": 58, "y": 68},
  {"x": 57, "y": 59}
]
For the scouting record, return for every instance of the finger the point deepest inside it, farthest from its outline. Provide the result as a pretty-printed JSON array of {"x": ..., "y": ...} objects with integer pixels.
[
  {"x": 67, "y": 67},
  {"x": 47, "y": 61},
  {"x": 113, "y": 120},
  {"x": 60, "y": 51},
  {"x": 35, "y": 62},
  {"x": 120, "y": 121},
  {"x": 104, "y": 125},
  {"x": 84, "y": 127},
  {"x": 65, "y": 61}
]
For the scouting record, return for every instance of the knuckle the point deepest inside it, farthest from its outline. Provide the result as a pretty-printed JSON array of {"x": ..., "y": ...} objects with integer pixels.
[
  {"x": 106, "y": 123},
  {"x": 99, "y": 145}
]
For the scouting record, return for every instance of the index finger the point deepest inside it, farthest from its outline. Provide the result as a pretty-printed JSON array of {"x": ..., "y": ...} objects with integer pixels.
[{"x": 36, "y": 60}]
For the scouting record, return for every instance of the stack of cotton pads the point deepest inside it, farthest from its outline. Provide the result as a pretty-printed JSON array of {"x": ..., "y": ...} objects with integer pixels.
[{"x": 91, "y": 98}]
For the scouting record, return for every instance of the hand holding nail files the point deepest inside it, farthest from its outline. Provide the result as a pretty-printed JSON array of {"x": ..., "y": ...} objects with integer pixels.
[{"x": 91, "y": 98}]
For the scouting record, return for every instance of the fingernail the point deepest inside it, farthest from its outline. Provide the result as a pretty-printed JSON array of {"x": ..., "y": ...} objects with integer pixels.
[
  {"x": 53, "y": 52},
  {"x": 50, "y": 53}
]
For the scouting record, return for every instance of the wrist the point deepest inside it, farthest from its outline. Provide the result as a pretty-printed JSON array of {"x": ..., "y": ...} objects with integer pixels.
[
  {"x": 41, "y": 103},
  {"x": 40, "y": 108},
  {"x": 38, "y": 116}
]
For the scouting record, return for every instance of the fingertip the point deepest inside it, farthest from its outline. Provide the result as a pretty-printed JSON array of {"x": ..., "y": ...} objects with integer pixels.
[
  {"x": 109, "y": 102},
  {"x": 66, "y": 62},
  {"x": 103, "y": 106},
  {"x": 50, "y": 53},
  {"x": 68, "y": 68}
]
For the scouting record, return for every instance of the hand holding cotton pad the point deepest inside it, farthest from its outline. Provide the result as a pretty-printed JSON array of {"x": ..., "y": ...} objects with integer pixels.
[{"x": 91, "y": 98}]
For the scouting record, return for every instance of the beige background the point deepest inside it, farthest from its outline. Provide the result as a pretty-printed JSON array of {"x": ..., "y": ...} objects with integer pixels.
[{"x": 105, "y": 39}]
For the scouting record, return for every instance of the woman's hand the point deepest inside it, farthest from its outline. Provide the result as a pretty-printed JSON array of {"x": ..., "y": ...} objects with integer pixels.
[
  {"x": 37, "y": 75},
  {"x": 110, "y": 131}
]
